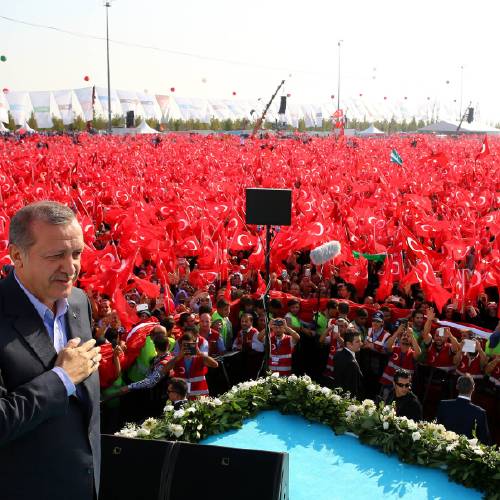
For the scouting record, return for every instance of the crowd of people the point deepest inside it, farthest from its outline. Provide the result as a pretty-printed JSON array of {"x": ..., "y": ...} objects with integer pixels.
[
  {"x": 175, "y": 275},
  {"x": 367, "y": 348}
]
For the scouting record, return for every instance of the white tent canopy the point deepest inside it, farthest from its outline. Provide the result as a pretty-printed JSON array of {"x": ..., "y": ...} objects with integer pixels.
[
  {"x": 371, "y": 130},
  {"x": 450, "y": 127},
  {"x": 144, "y": 128}
]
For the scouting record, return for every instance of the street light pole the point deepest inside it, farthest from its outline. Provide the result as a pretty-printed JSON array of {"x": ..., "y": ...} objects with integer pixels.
[
  {"x": 108, "y": 5},
  {"x": 461, "y": 89},
  {"x": 338, "y": 81}
]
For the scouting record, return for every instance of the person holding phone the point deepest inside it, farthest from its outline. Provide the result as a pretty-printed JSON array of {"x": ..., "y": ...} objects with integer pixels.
[
  {"x": 470, "y": 358},
  {"x": 405, "y": 350},
  {"x": 283, "y": 341},
  {"x": 441, "y": 349},
  {"x": 191, "y": 365}
]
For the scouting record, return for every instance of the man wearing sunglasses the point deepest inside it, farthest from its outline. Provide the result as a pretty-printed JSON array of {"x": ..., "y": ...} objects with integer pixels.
[{"x": 407, "y": 404}]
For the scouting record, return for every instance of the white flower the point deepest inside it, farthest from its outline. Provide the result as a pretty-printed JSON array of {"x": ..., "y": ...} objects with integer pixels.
[
  {"x": 149, "y": 423},
  {"x": 217, "y": 402},
  {"x": 293, "y": 378},
  {"x": 191, "y": 409},
  {"x": 168, "y": 408},
  {"x": 197, "y": 435},
  {"x": 352, "y": 408},
  {"x": 473, "y": 442},
  {"x": 450, "y": 436},
  {"x": 306, "y": 379},
  {"x": 478, "y": 451},
  {"x": 176, "y": 430},
  {"x": 336, "y": 397},
  {"x": 275, "y": 375},
  {"x": 142, "y": 432},
  {"x": 179, "y": 413},
  {"x": 199, "y": 426},
  {"x": 326, "y": 391},
  {"x": 368, "y": 403},
  {"x": 416, "y": 436},
  {"x": 385, "y": 425},
  {"x": 452, "y": 446},
  {"x": 412, "y": 425},
  {"x": 311, "y": 387}
]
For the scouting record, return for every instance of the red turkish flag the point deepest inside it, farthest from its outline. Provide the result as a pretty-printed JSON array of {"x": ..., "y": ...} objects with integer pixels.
[
  {"x": 385, "y": 280},
  {"x": 485, "y": 149},
  {"x": 432, "y": 289}
]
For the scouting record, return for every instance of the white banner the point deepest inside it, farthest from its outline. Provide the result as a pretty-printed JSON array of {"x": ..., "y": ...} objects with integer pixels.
[
  {"x": 4, "y": 108},
  {"x": 64, "y": 100},
  {"x": 20, "y": 106},
  {"x": 130, "y": 102},
  {"x": 101, "y": 94},
  {"x": 149, "y": 105},
  {"x": 84, "y": 97},
  {"x": 44, "y": 107}
]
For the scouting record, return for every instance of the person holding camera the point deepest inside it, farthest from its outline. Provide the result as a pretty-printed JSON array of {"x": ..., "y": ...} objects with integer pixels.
[
  {"x": 191, "y": 365},
  {"x": 406, "y": 402},
  {"x": 283, "y": 341},
  {"x": 405, "y": 350},
  {"x": 333, "y": 336}
]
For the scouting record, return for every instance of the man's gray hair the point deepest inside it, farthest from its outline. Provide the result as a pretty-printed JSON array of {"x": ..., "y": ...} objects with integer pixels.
[
  {"x": 50, "y": 212},
  {"x": 465, "y": 384}
]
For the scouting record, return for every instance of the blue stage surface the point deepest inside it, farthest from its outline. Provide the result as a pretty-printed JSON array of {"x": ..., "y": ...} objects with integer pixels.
[{"x": 324, "y": 466}]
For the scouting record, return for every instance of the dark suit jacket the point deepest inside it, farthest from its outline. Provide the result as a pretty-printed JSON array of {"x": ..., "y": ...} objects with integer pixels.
[
  {"x": 347, "y": 374},
  {"x": 461, "y": 416},
  {"x": 49, "y": 443}
]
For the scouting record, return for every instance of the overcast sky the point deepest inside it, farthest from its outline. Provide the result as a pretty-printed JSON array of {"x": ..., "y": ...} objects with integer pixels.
[{"x": 390, "y": 48}]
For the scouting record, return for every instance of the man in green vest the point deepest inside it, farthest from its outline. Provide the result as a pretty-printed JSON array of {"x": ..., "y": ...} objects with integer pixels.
[{"x": 222, "y": 313}]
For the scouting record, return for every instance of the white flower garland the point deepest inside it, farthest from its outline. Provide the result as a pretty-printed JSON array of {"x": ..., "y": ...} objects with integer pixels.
[{"x": 429, "y": 442}]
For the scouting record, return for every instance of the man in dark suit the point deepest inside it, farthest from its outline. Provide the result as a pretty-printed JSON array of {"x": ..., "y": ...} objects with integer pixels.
[
  {"x": 461, "y": 416},
  {"x": 49, "y": 384},
  {"x": 347, "y": 373}
]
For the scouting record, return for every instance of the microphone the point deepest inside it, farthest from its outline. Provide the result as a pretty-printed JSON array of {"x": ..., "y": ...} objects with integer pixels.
[{"x": 325, "y": 252}]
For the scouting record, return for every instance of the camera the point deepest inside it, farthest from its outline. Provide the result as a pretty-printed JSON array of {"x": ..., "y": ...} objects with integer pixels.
[
  {"x": 190, "y": 348},
  {"x": 278, "y": 322}
]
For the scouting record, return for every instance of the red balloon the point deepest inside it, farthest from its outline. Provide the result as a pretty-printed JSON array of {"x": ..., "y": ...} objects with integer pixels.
[
  {"x": 234, "y": 93},
  {"x": 5, "y": 90},
  {"x": 86, "y": 78},
  {"x": 172, "y": 89}
]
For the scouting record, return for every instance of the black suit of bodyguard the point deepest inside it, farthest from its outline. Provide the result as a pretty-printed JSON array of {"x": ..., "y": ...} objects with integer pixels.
[{"x": 49, "y": 440}]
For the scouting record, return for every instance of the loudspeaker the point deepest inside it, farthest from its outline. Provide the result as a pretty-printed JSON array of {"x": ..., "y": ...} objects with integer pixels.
[
  {"x": 271, "y": 207},
  {"x": 134, "y": 469},
  {"x": 130, "y": 119},
  {"x": 282, "y": 109},
  {"x": 470, "y": 115},
  {"x": 227, "y": 474}
]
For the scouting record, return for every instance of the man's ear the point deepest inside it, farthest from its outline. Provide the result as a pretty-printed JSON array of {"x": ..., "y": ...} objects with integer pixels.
[{"x": 16, "y": 255}]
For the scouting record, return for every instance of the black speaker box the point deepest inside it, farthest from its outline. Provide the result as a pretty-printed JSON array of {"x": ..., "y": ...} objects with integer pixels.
[
  {"x": 271, "y": 207},
  {"x": 227, "y": 474},
  {"x": 282, "y": 109},
  {"x": 130, "y": 118},
  {"x": 135, "y": 469},
  {"x": 470, "y": 115}
]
